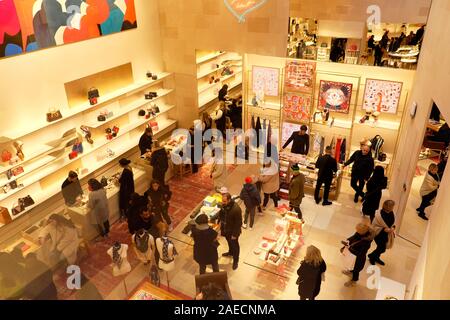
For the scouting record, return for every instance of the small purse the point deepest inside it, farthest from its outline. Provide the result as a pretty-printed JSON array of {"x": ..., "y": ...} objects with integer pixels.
[
  {"x": 73, "y": 155},
  {"x": 155, "y": 109},
  {"x": 4, "y": 215},
  {"x": 16, "y": 171},
  {"x": 6, "y": 156},
  {"x": 53, "y": 115},
  {"x": 154, "y": 77},
  {"x": 93, "y": 96},
  {"x": 149, "y": 75},
  {"x": 154, "y": 125},
  {"x": 101, "y": 118},
  {"x": 141, "y": 113}
]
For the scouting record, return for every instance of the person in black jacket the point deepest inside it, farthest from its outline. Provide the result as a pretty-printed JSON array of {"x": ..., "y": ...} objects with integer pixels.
[
  {"x": 230, "y": 218},
  {"x": 223, "y": 93},
  {"x": 252, "y": 200},
  {"x": 143, "y": 220},
  {"x": 358, "y": 245},
  {"x": 375, "y": 186},
  {"x": 159, "y": 196},
  {"x": 136, "y": 203},
  {"x": 236, "y": 114},
  {"x": 363, "y": 165},
  {"x": 327, "y": 166},
  {"x": 126, "y": 190},
  {"x": 146, "y": 141},
  {"x": 71, "y": 189},
  {"x": 310, "y": 274},
  {"x": 160, "y": 163},
  {"x": 300, "y": 141},
  {"x": 40, "y": 285},
  {"x": 205, "y": 244}
]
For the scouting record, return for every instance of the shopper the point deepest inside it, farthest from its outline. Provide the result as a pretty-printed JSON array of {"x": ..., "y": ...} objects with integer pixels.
[
  {"x": 40, "y": 285},
  {"x": 206, "y": 126},
  {"x": 300, "y": 141},
  {"x": 205, "y": 244},
  {"x": 327, "y": 166},
  {"x": 146, "y": 141},
  {"x": 384, "y": 228},
  {"x": 144, "y": 220},
  {"x": 252, "y": 199},
  {"x": 160, "y": 162},
  {"x": 59, "y": 241},
  {"x": 236, "y": 113},
  {"x": 220, "y": 118},
  {"x": 230, "y": 225},
  {"x": 71, "y": 189},
  {"x": 159, "y": 196},
  {"x": 137, "y": 201},
  {"x": 223, "y": 93},
  {"x": 371, "y": 42},
  {"x": 358, "y": 245},
  {"x": 311, "y": 274},
  {"x": 296, "y": 191},
  {"x": 88, "y": 290},
  {"x": 362, "y": 169},
  {"x": 126, "y": 190},
  {"x": 144, "y": 246},
  {"x": 98, "y": 207},
  {"x": 375, "y": 186},
  {"x": 218, "y": 172},
  {"x": 270, "y": 179},
  {"x": 429, "y": 189},
  {"x": 379, "y": 52}
]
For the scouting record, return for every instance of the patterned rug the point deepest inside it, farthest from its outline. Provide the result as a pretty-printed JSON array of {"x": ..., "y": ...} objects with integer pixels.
[{"x": 187, "y": 193}]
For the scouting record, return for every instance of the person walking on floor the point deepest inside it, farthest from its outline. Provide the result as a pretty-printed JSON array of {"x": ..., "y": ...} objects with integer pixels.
[
  {"x": 270, "y": 179},
  {"x": 296, "y": 191},
  {"x": 311, "y": 274},
  {"x": 375, "y": 186},
  {"x": 252, "y": 199},
  {"x": 363, "y": 165},
  {"x": 126, "y": 190},
  {"x": 358, "y": 245},
  {"x": 98, "y": 207},
  {"x": 429, "y": 189},
  {"x": 384, "y": 229},
  {"x": 160, "y": 162},
  {"x": 230, "y": 218},
  {"x": 205, "y": 244},
  {"x": 159, "y": 196},
  {"x": 327, "y": 166},
  {"x": 300, "y": 141}
]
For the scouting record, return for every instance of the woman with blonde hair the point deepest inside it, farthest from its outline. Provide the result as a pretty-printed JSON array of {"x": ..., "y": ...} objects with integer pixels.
[
  {"x": 384, "y": 228},
  {"x": 311, "y": 274}
]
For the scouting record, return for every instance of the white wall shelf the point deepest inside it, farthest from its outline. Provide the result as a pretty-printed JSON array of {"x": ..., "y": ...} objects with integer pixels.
[
  {"x": 68, "y": 113},
  {"x": 209, "y": 57},
  {"x": 31, "y": 152},
  {"x": 383, "y": 124},
  {"x": 204, "y": 74}
]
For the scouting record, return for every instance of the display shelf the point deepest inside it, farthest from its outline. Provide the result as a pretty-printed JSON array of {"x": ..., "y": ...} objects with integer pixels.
[
  {"x": 68, "y": 113},
  {"x": 31, "y": 152},
  {"x": 204, "y": 74},
  {"x": 343, "y": 124},
  {"x": 123, "y": 111},
  {"x": 266, "y": 105},
  {"x": 66, "y": 161},
  {"x": 383, "y": 124},
  {"x": 28, "y": 169},
  {"x": 208, "y": 86},
  {"x": 231, "y": 75},
  {"x": 209, "y": 57},
  {"x": 42, "y": 196}
]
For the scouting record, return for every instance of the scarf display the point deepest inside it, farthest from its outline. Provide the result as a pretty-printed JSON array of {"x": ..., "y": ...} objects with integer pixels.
[
  {"x": 165, "y": 250},
  {"x": 116, "y": 256}
]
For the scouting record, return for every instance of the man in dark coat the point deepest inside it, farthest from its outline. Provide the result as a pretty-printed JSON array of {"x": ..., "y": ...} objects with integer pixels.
[
  {"x": 71, "y": 189},
  {"x": 146, "y": 141},
  {"x": 230, "y": 225},
  {"x": 300, "y": 141},
  {"x": 327, "y": 166},
  {"x": 205, "y": 244},
  {"x": 159, "y": 196},
  {"x": 160, "y": 163},
  {"x": 252, "y": 200},
  {"x": 363, "y": 166},
  {"x": 126, "y": 181}
]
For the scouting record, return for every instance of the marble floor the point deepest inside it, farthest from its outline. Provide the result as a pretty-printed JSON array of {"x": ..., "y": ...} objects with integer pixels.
[{"x": 325, "y": 228}]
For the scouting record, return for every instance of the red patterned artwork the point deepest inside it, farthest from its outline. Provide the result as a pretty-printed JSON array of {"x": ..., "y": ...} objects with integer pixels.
[
  {"x": 297, "y": 107},
  {"x": 335, "y": 96},
  {"x": 299, "y": 76}
]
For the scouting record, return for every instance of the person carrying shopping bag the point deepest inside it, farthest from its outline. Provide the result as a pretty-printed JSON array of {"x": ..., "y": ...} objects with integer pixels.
[{"x": 384, "y": 228}]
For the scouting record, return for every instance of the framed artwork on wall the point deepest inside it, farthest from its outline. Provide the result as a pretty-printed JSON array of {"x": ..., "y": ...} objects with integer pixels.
[
  {"x": 297, "y": 107},
  {"x": 266, "y": 80},
  {"x": 335, "y": 96},
  {"x": 299, "y": 76},
  {"x": 382, "y": 96},
  {"x": 287, "y": 130},
  {"x": 31, "y": 25}
]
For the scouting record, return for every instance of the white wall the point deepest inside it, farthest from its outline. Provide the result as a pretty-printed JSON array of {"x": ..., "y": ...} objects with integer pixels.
[{"x": 32, "y": 83}]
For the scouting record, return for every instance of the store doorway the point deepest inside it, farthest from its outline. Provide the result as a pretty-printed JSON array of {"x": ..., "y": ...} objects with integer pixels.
[{"x": 433, "y": 155}]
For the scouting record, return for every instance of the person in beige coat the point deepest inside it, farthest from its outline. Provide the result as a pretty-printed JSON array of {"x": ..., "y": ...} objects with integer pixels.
[
  {"x": 429, "y": 189},
  {"x": 218, "y": 173},
  {"x": 270, "y": 179}
]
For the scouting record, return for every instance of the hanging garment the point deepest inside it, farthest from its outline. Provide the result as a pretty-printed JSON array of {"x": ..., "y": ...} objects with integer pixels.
[
  {"x": 316, "y": 143},
  {"x": 343, "y": 151},
  {"x": 269, "y": 132},
  {"x": 264, "y": 124},
  {"x": 333, "y": 146},
  {"x": 337, "y": 153},
  {"x": 322, "y": 145},
  {"x": 253, "y": 122},
  {"x": 258, "y": 130}
]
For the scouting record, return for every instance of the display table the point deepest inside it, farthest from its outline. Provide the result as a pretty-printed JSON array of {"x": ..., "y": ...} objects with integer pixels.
[
  {"x": 147, "y": 291},
  {"x": 79, "y": 215},
  {"x": 307, "y": 167}
]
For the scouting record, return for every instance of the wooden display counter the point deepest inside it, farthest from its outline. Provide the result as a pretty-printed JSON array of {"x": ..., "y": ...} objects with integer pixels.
[{"x": 147, "y": 291}]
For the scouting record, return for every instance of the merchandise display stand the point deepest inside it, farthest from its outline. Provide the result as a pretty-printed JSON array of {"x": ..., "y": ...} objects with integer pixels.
[{"x": 147, "y": 291}]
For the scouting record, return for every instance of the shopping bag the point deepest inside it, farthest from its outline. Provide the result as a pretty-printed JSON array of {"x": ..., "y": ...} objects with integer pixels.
[{"x": 348, "y": 259}]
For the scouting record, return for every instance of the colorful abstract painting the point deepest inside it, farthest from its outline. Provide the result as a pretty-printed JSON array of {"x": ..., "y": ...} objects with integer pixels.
[
  {"x": 299, "y": 76},
  {"x": 28, "y": 25},
  {"x": 297, "y": 107},
  {"x": 335, "y": 96},
  {"x": 266, "y": 80},
  {"x": 382, "y": 96}
]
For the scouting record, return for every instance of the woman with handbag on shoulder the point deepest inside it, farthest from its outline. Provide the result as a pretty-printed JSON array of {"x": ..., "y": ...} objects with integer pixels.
[
  {"x": 384, "y": 227},
  {"x": 375, "y": 186},
  {"x": 357, "y": 247},
  {"x": 311, "y": 274}
]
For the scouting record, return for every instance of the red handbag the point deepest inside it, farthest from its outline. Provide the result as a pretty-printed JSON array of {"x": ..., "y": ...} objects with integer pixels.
[
  {"x": 6, "y": 156},
  {"x": 17, "y": 171},
  {"x": 73, "y": 155}
]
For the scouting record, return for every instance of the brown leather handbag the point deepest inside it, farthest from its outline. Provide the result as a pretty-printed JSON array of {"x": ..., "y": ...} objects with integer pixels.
[
  {"x": 5, "y": 217},
  {"x": 53, "y": 115}
]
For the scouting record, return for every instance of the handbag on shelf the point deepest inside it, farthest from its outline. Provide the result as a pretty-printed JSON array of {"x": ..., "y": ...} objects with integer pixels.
[
  {"x": 93, "y": 93},
  {"x": 154, "y": 77},
  {"x": 101, "y": 118},
  {"x": 141, "y": 113},
  {"x": 78, "y": 147},
  {"x": 5, "y": 217},
  {"x": 73, "y": 155},
  {"x": 53, "y": 115},
  {"x": 9, "y": 174},
  {"x": 155, "y": 109},
  {"x": 18, "y": 170},
  {"x": 153, "y": 125},
  {"x": 149, "y": 75},
  {"x": 27, "y": 201},
  {"x": 13, "y": 185},
  {"x": 6, "y": 156},
  {"x": 14, "y": 160}
]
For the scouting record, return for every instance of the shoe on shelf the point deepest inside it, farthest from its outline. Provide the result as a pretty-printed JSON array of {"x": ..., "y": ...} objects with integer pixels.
[
  {"x": 235, "y": 265},
  {"x": 327, "y": 203},
  {"x": 350, "y": 284},
  {"x": 244, "y": 226},
  {"x": 226, "y": 254},
  {"x": 423, "y": 216},
  {"x": 355, "y": 200},
  {"x": 347, "y": 273}
]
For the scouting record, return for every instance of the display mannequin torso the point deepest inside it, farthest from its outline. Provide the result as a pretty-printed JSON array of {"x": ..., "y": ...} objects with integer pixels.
[
  {"x": 165, "y": 265},
  {"x": 125, "y": 265}
]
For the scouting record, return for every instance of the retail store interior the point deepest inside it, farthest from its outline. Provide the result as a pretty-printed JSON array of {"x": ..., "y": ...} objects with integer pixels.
[{"x": 108, "y": 168}]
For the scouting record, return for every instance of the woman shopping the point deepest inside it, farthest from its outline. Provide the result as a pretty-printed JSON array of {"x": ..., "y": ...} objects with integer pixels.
[
  {"x": 98, "y": 207},
  {"x": 375, "y": 186},
  {"x": 311, "y": 274},
  {"x": 384, "y": 228}
]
